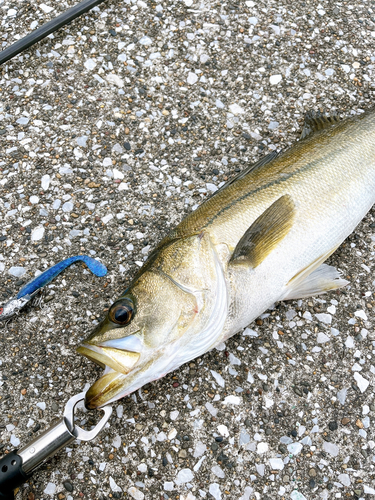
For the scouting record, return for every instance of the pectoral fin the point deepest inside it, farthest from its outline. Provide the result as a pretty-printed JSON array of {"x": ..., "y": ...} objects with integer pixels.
[
  {"x": 265, "y": 233},
  {"x": 323, "y": 279}
]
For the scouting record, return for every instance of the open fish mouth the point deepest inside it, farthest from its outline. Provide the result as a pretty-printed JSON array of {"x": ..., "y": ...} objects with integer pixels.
[{"x": 117, "y": 363}]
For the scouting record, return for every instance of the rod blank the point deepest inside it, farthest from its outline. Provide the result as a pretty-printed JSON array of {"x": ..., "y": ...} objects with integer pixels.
[{"x": 48, "y": 28}]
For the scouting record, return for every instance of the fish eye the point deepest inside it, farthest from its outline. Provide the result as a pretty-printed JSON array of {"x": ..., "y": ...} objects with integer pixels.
[{"x": 121, "y": 312}]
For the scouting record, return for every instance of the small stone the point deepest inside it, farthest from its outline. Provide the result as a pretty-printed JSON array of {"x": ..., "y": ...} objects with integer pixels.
[
  {"x": 184, "y": 476},
  {"x": 68, "y": 486},
  {"x": 276, "y": 463},
  {"x": 341, "y": 395},
  {"x": 331, "y": 448},
  {"x": 345, "y": 421},
  {"x": 236, "y": 109},
  {"x": 262, "y": 448},
  {"x": 135, "y": 493},
  {"x": 333, "y": 426},
  {"x": 295, "y": 448},
  {"x": 90, "y": 64},
  {"x": 17, "y": 271},
  {"x": 192, "y": 78},
  {"x": 214, "y": 490},
  {"x": 296, "y": 495},
  {"x": 50, "y": 489},
  {"x": 218, "y": 471},
  {"x": 344, "y": 479},
  {"x": 37, "y": 234},
  {"x": 145, "y": 40},
  {"x": 324, "y": 318},
  {"x": 275, "y": 79},
  {"x": 115, "y": 80},
  {"x": 45, "y": 182},
  {"x": 312, "y": 473},
  {"x": 362, "y": 382},
  {"x": 359, "y": 424},
  {"x": 46, "y": 8},
  {"x": 322, "y": 338}
]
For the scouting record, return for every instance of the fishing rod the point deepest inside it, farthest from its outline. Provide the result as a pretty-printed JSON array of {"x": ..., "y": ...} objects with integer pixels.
[{"x": 48, "y": 28}]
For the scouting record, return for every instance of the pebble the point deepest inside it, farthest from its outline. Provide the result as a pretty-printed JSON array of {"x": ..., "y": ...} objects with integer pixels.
[
  {"x": 50, "y": 489},
  {"x": 217, "y": 471},
  {"x": 236, "y": 109},
  {"x": 135, "y": 493},
  {"x": 341, "y": 395},
  {"x": 262, "y": 448},
  {"x": 294, "y": 448},
  {"x": 114, "y": 486},
  {"x": 276, "y": 463},
  {"x": 184, "y": 476},
  {"x": 333, "y": 425},
  {"x": 68, "y": 486},
  {"x": 331, "y": 448},
  {"x": 275, "y": 79},
  {"x": 344, "y": 479},
  {"x": 90, "y": 64},
  {"x": 17, "y": 271},
  {"x": 37, "y": 233},
  {"x": 192, "y": 78},
  {"x": 362, "y": 382},
  {"x": 324, "y": 318},
  {"x": 296, "y": 495},
  {"x": 214, "y": 489}
]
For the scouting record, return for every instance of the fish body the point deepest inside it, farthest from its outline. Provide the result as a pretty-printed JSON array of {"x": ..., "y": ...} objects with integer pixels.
[{"x": 260, "y": 239}]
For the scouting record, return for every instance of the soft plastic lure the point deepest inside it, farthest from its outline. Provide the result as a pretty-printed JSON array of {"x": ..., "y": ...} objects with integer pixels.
[{"x": 29, "y": 291}]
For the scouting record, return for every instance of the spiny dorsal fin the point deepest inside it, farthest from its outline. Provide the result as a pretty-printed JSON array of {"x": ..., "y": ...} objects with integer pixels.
[
  {"x": 315, "y": 120},
  {"x": 265, "y": 233},
  {"x": 260, "y": 163}
]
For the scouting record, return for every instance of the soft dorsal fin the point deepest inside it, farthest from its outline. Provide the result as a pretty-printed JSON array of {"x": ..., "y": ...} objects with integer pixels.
[
  {"x": 260, "y": 163},
  {"x": 265, "y": 233},
  {"x": 315, "y": 120}
]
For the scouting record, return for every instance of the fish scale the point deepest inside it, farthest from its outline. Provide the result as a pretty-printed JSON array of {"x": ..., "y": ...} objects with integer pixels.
[{"x": 261, "y": 238}]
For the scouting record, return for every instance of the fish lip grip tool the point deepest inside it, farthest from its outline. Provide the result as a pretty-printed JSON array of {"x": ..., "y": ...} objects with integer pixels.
[{"x": 18, "y": 465}]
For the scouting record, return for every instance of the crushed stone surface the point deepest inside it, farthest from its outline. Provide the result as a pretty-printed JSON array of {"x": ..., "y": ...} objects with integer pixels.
[{"x": 111, "y": 131}]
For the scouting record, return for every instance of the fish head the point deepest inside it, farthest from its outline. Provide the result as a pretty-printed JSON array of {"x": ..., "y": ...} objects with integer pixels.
[{"x": 145, "y": 327}]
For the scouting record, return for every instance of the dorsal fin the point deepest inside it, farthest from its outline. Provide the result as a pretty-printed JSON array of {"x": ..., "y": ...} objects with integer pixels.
[
  {"x": 315, "y": 120},
  {"x": 265, "y": 233},
  {"x": 260, "y": 163}
]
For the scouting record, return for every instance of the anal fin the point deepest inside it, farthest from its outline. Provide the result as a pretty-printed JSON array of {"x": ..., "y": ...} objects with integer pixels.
[{"x": 321, "y": 280}]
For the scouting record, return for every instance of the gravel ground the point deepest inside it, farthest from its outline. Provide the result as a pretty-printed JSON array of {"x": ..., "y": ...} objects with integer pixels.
[{"x": 111, "y": 131}]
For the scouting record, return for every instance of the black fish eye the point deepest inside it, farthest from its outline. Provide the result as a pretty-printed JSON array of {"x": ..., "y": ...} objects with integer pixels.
[{"x": 121, "y": 312}]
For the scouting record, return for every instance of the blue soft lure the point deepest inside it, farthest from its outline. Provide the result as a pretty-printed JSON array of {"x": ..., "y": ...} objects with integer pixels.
[{"x": 34, "y": 286}]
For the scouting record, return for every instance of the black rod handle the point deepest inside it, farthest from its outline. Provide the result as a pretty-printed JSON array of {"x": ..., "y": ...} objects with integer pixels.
[
  {"x": 12, "y": 475},
  {"x": 48, "y": 28}
]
